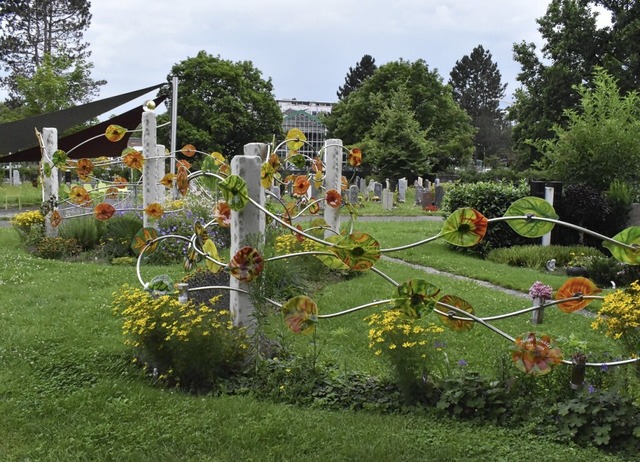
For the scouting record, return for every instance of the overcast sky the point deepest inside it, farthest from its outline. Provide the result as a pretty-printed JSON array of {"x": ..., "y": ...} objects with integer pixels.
[{"x": 305, "y": 46}]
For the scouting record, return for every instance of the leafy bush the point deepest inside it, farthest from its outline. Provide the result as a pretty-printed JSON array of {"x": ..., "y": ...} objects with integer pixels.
[
  {"x": 190, "y": 345},
  {"x": 470, "y": 395},
  {"x": 120, "y": 230},
  {"x": 86, "y": 230},
  {"x": 537, "y": 256},
  {"x": 603, "y": 418},
  {"x": 492, "y": 199},
  {"x": 28, "y": 224},
  {"x": 56, "y": 248}
]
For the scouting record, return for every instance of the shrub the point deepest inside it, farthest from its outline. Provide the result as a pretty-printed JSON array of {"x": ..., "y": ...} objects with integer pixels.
[
  {"x": 189, "y": 345},
  {"x": 86, "y": 230},
  {"x": 492, "y": 199},
  {"x": 56, "y": 248},
  {"x": 120, "y": 230},
  {"x": 470, "y": 395},
  {"x": 603, "y": 418},
  {"x": 537, "y": 256},
  {"x": 620, "y": 315},
  {"x": 409, "y": 347},
  {"x": 28, "y": 223}
]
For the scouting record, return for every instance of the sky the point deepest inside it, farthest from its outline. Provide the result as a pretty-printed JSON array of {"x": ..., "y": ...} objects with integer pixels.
[{"x": 305, "y": 47}]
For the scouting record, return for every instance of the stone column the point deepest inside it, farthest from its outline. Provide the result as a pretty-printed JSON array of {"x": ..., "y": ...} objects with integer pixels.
[
  {"x": 50, "y": 183},
  {"x": 153, "y": 168},
  {"x": 333, "y": 177},
  {"x": 247, "y": 228}
]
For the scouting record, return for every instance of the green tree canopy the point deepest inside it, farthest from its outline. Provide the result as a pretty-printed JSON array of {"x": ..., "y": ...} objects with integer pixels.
[
  {"x": 431, "y": 102},
  {"x": 365, "y": 68},
  {"x": 223, "y": 105},
  {"x": 397, "y": 146},
  {"x": 477, "y": 87},
  {"x": 32, "y": 30},
  {"x": 600, "y": 142}
]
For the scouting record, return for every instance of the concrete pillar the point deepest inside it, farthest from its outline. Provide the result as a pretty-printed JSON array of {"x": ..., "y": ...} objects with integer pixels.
[
  {"x": 49, "y": 184},
  {"x": 247, "y": 227},
  {"x": 333, "y": 179},
  {"x": 548, "y": 196},
  {"x": 153, "y": 168}
]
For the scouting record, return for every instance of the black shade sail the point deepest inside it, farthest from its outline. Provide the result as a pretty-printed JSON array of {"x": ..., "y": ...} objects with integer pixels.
[
  {"x": 20, "y": 135},
  {"x": 96, "y": 147}
]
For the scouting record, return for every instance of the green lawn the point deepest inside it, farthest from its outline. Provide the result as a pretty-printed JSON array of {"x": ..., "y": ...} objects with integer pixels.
[{"x": 68, "y": 390}]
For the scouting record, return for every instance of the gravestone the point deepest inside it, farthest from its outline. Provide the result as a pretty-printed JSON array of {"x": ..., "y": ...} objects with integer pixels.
[
  {"x": 387, "y": 199},
  {"x": 420, "y": 182},
  {"x": 362, "y": 185},
  {"x": 402, "y": 190},
  {"x": 353, "y": 194},
  {"x": 439, "y": 195},
  {"x": 419, "y": 191},
  {"x": 276, "y": 191},
  {"x": 16, "y": 178},
  {"x": 377, "y": 190},
  {"x": 427, "y": 198},
  {"x": 428, "y": 185}
]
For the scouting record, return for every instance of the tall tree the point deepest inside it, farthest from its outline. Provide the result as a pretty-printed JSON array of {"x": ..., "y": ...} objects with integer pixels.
[
  {"x": 31, "y": 30},
  {"x": 431, "y": 101},
  {"x": 477, "y": 87},
  {"x": 223, "y": 105},
  {"x": 365, "y": 68},
  {"x": 397, "y": 146}
]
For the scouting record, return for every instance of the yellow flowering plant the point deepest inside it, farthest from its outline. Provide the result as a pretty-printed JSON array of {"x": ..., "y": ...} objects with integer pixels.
[
  {"x": 620, "y": 316},
  {"x": 184, "y": 344},
  {"x": 409, "y": 345},
  {"x": 27, "y": 222}
]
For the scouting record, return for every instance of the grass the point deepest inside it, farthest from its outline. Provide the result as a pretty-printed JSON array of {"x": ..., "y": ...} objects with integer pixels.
[
  {"x": 68, "y": 390},
  {"x": 25, "y": 195}
]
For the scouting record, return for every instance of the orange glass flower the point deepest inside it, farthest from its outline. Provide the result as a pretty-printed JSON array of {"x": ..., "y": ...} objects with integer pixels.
[
  {"x": 84, "y": 167},
  {"x": 222, "y": 214},
  {"x": 534, "y": 355},
  {"x": 354, "y": 157},
  {"x": 246, "y": 264},
  {"x": 333, "y": 198},
  {"x": 184, "y": 163},
  {"x": 120, "y": 182},
  {"x": 79, "y": 196},
  {"x": 300, "y": 185},
  {"x": 167, "y": 180},
  {"x": 182, "y": 182},
  {"x": 188, "y": 150},
  {"x": 103, "y": 211},
  {"x": 55, "y": 219},
  {"x": 576, "y": 287},
  {"x": 132, "y": 158},
  {"x": 154, "y": 210}
]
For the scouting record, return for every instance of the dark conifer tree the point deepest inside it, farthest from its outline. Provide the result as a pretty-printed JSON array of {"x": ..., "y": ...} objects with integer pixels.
[{"x": 365, "y": 68}]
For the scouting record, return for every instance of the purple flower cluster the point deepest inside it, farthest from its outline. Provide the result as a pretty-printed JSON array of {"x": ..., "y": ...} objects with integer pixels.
[{"x": 540, "y": 290}]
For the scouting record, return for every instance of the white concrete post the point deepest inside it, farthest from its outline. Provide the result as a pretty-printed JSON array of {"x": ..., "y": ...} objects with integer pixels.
[
  {"x": 548, "y": 196},
  {"x": 49, "y": 184},
  {"x": 247, "y": 228},
  {"x": 150, "y": 180},
  {"x": 333, "y": 180}
]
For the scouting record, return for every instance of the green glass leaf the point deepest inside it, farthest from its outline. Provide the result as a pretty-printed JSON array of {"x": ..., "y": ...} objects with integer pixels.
[
  {"x": 531, "y": 206},
  {"x": 300, "y": 314},
  {"x": 464, "y": 228},
  {"x": 330, "y": 261},
  {"x": 629, "y": 236},
  {"x": 46, "y": 170},
  {"x": 209, "y": 165},
  {"x": 297, "y": 160},
  {"x": 235, "y": 192},
  {"x": 457, "y": 325},
  {"x": 359, "y": 251},
  {"x": 60, "y": 158},
  {"x": 141, "y": 240},
  {"x": 415, "y": 298},
  {"x": 162, "y": 284}
]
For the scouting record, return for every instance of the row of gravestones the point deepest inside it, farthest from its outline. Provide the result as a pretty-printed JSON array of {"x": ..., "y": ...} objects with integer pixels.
[{"x": 427, "y": 193}]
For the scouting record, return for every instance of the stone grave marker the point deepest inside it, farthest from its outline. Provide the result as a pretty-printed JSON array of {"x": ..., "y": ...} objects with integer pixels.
[
  {"x": 419, "y": 192},
  {"x": 276, "y": 191},
  {"x": 363, "y": 185},
  {"x": 428, "y": 198},
  {"x": 377, "y": 190},
  {"x": 402, "y": 190},
  {"x": 439, "y": 195},
  {"x": 387, "y": 199},
  {"x": 16, "y": 178},
  {"x": 353, "y": 194}
]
